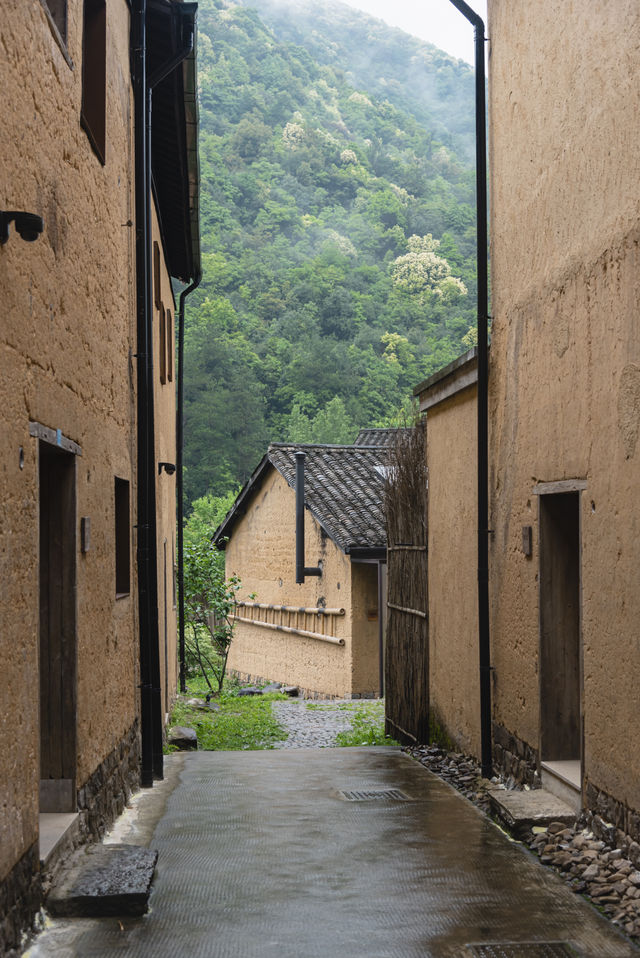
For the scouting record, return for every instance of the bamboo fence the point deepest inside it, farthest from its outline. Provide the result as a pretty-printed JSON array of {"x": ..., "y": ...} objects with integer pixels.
[{"x": 407, "y": 645}]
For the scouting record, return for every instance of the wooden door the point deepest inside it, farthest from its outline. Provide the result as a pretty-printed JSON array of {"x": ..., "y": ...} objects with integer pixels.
[
  {"x": 57, "y": 629},
  {"x": 560, "y": 682}
]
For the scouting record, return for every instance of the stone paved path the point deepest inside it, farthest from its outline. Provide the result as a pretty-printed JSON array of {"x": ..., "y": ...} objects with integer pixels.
[
  {"x": 314, "y": 727},
  {"x": 331, "y": 853}
]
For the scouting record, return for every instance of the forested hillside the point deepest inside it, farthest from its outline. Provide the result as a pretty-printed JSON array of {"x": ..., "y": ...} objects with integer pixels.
[{"x": 338, "y": 233}]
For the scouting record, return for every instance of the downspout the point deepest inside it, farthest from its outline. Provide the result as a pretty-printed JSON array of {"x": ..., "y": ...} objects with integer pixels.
[
  {"x": 153, "y": 80},
  {"x": 179, "y": 478},
  {"x": 301, "y": 570},
  {"x": 484, "y": 645},
  {"x": 381, "y": 613},
  {"x": 145, "y": 577},
  {"x": 152, "y": 764}
]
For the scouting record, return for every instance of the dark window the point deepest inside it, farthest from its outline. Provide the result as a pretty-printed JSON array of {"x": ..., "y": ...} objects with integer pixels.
[
  {"x": 163, "y": 346},
  {"x": 157, "y": 289},
  {"x": 173, "y": 566},
  {"x": 123, "y": 551},
  {"x": 94, "y": 74},
  {"x": 169, "y": 346},
  {"x": 58, "y": 12}
]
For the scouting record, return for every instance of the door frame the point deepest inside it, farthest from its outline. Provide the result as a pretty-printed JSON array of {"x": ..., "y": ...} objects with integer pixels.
[
  {"x": 58, "y": 794},
  {"x": 560, "y": 487}
]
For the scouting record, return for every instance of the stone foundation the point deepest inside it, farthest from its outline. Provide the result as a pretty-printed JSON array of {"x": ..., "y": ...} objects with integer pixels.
[
  {"x": 20, "y": 896},
  {"x": 515, "y": 758},
  {"x": 304, "y": 693},
  {"x": 612, "y": 821},
  {"x": 104, "y": 796}
]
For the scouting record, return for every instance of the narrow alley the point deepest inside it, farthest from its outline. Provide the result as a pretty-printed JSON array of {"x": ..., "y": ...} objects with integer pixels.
[{"x": 326, "y": 852}]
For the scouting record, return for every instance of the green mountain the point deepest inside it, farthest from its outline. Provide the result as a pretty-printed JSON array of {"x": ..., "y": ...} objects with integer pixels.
[
  {"x": 416, "y": 77},
  {"x": 338, "y": 230}
]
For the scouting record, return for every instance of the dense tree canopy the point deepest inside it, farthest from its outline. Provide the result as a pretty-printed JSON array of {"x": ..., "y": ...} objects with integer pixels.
[{"x": 338, "y": 238}]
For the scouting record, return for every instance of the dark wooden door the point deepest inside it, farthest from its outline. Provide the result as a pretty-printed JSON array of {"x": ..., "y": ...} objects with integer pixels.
[
  {"x": 57, "y": 630},
  {"x": 560, "y": 683}
]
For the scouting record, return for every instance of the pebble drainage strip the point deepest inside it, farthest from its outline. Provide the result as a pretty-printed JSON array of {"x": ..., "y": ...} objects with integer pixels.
[
  {"x": 374, "y": 794},
  {"x": 523, "y": 949}
]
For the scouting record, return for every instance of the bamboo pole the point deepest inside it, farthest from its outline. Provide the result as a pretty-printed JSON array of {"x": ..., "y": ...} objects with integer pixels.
[
  {"x": 312, "y": 610},
  {"x": 400, "y": 608},
  {"x": 286, "y": 628}
]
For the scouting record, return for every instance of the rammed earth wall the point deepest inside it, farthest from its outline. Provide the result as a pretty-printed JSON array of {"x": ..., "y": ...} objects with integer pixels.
[{"x": 564, "y": 387}]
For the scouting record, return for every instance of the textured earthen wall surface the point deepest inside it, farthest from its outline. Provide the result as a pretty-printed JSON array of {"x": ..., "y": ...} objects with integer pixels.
[
  {"x": 565, "y": 354},
  {"x": 452, "y": 523},
  {"x": 262, "y": 552},
  {"x": 66, "y": 344},
  {"x": 165, "y": 429}
]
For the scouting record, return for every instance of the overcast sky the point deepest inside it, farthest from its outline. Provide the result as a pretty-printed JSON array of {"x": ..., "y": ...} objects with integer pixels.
[{"x": 436, "y": 21}]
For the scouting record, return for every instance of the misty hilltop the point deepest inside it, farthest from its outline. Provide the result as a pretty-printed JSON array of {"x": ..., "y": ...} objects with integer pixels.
[
  {"x": 417, "y": 77},
  {"x": 338, "y": 230}
]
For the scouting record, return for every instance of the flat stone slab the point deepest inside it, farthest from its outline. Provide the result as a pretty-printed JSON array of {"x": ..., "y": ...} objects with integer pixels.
[
  {"x": 104, "y": 880},
  {"x": 526, "y": 809},
  {"x": 183, "y": 738}
]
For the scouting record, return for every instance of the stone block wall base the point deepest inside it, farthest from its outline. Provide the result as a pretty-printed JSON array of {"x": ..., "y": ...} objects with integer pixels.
[
  {"x": 515, "y": 758},
  {"x": 105, "y": 795},
  {"x": 613, "y": 822},
  {"x": 20, "y": 897}
]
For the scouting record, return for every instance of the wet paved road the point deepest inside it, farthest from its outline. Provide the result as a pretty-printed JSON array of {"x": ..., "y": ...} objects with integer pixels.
[{"x": 262, "y": 855}]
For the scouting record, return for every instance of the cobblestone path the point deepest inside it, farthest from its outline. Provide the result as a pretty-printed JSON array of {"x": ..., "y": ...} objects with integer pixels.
[{"x": 314, "y": 727}]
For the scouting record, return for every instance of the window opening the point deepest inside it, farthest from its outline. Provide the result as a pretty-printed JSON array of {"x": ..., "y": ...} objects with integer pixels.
[
  {"x": 157, "y": 294},
  {"x": 173, "y": 566},
  {"x": 163, "y": 346},
  {"x": 169, "y": 346},
  {"x": 94, "y": 75},
  {"x": 123, "y": 552}
]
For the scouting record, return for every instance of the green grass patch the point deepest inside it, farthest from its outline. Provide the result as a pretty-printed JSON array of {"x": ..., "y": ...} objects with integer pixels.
[{"x": 240, "y": 722}]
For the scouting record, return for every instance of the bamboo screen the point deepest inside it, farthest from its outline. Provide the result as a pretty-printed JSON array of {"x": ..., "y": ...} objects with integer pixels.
[{"x": 407, "y": 645}]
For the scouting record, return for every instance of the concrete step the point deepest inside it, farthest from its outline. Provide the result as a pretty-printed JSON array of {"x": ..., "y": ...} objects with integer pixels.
[
  {"x": 520, "y": 811},
  {"x": 563, "y": 779},
  {"x": 104, "y": 880},
  {"x": 59, "y": 834}
]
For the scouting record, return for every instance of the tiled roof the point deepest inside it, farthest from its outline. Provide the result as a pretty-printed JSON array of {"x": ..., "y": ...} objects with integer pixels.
[
  {"x": 344, "y": 487},
  {"x": 377, "y": 437}
]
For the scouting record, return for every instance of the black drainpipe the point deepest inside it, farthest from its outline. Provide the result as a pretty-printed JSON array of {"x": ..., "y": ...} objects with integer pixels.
[
  {"x": 160, "y": 74},
  {"x": 381, "y": 613},
  {"x": 301, "y": 569},
  {"x": 179, "y": 478},
  {"x": 152, "y": 765},
  {"x": 147, "y": 584},
  {"x": 483, "y": 371}
]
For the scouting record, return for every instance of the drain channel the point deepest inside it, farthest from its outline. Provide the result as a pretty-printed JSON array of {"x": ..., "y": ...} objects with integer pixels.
[{"x": 373, "y": 795}]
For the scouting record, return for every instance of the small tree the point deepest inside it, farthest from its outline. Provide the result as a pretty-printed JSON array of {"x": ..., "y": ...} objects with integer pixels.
[
  {"x": 210, "y": 599},
  {"x": 209, "y": 604}
]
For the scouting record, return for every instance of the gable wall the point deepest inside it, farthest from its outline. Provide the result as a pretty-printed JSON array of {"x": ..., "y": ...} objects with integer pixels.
[{"x": 262, "y": 552}]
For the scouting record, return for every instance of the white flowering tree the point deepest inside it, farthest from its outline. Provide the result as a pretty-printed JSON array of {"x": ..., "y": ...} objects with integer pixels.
[{"x": 422, "y": 270}]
